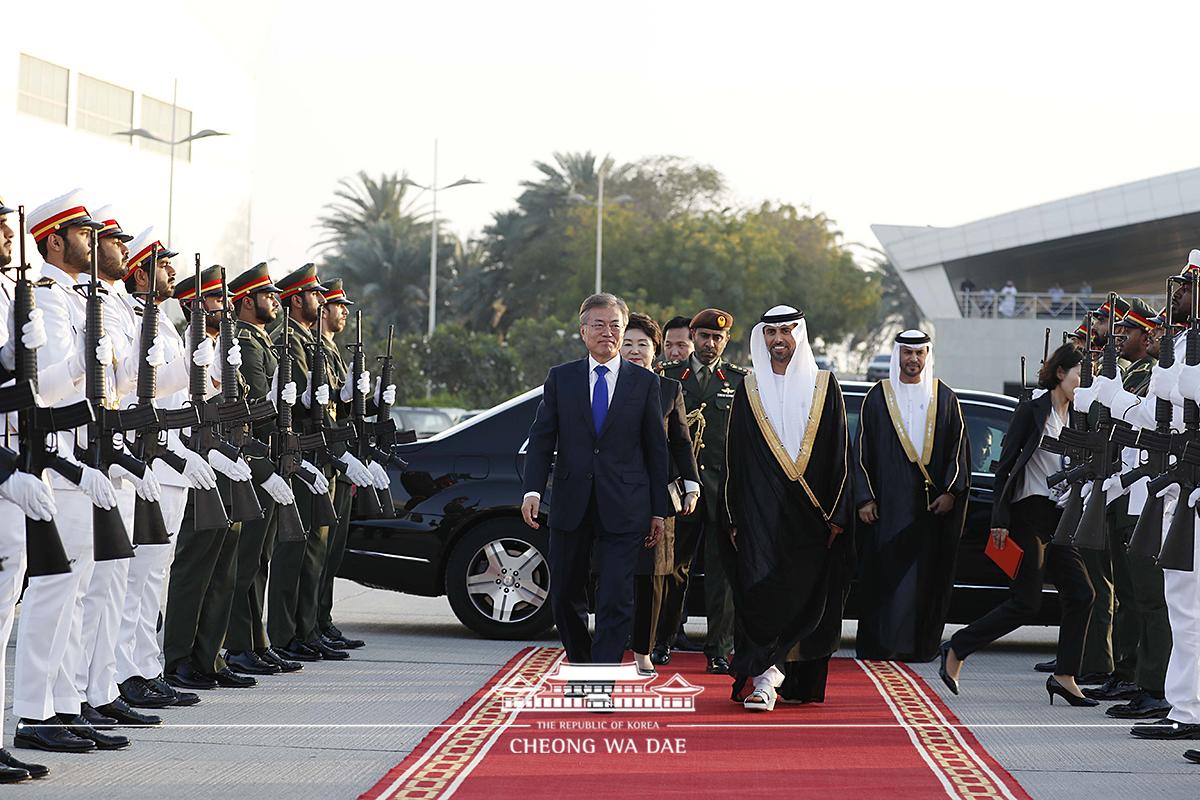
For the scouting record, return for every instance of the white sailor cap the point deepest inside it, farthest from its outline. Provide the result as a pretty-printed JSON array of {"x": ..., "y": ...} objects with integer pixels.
[
  {"x": 143, "y": 245},
  {"x": 107, "y": 217},
  {"x": 61, "y": 212}
]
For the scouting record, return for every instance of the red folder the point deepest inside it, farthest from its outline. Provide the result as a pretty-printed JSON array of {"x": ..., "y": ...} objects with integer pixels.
[{"x": 1008, "y": 558}]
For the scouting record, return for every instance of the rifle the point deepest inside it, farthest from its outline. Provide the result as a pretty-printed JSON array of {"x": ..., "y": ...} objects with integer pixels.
[
  {"x": 287, "y": 447},
  {"x": 150, "y": 444},
  {"x": 1146, "y": 539},
  {"x": 208, "y": 509},
  {"x": 1178, "y": 547},
  {"x": 234, "y": 413},
  {"x": 35, "y": 426},
  {"x": 110, "y": 539},
  {"x": 1069, "y": 444},
  {"x": 367, "y": 502},
  {"x": 335, "y": 439},
  {"x": 1104, "y": 455}
]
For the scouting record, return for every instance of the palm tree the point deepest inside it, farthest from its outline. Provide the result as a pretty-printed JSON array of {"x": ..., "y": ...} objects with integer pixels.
[{"x": 363, "y": 200}]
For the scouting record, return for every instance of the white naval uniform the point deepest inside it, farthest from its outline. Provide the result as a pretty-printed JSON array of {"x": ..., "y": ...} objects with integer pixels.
[
  {"x": 1182, "y": 589},
  {"x": 138, "y": 651},
  {"x": 49, "y": 635}
]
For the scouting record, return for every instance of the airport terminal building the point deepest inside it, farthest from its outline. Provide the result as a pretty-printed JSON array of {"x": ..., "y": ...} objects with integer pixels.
[{"x": 1060, "y": 256}]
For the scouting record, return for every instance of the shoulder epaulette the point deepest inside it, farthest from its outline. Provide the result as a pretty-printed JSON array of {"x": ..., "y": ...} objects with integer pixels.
[
  {"x": 43, "y": 283},
  {"x": 735, "y": 368},
  {"x": 670, "y": 365}
]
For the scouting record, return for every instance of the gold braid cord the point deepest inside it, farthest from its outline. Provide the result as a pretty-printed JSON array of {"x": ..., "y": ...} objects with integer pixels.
[{"x": 696, "y": 422}]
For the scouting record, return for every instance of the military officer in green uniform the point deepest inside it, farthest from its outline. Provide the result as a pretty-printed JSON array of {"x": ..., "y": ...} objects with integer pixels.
[
  {"x": 1141, "y": 632},
  {"x": 709, "y": 383},
  {"x": 255, "y": 302},
  {"x": 202, "y": 575}
]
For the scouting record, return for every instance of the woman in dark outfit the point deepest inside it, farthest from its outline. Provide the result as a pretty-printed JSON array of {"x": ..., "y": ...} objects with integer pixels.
[
  {"x": 1025, "y": 511},
  {"x": 643, "y": 338}
]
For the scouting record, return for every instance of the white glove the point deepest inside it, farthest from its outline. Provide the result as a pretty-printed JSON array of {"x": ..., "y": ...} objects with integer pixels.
[
  {"x": 103, "y": 354},
  {"x": 33, "y": 332},
  {"x": 1162, "y": 382},
  {"x": 1193, "y": 498},
  {"x": 363, "y": 384},
  {"x": 322, "y": 395},
  {"x": 146, "y": 486},
  {"x": 99, "y": 489},
  {"x": 320, "y": 484},
  {"x": 1106, "y": 390},
  {"x": 279, "y": 490},
  {"x": 156, "y": 356},
  {"x": 202, "y": 356},
  {"x": 234, "y": 470},
  {"x": 289, "y": 390},
  {"x": 1084, "y": 396},
  {"x": 1189, "y": 381},
  {"x": 30, "y": 494},
  {"x": 358, "y": 474},
  {"x": 388, "y": 393},
  {"x": 1169, "y": 493},
  {"x": 234, "y": 356},
  {"x": 382, "y": 481},
  {"x": 196, "y": 470}
]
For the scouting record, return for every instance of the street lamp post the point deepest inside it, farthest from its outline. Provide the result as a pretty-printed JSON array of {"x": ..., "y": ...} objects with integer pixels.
[
  {"x": 172, "y": 143},
  {"x": 433, "y": 188},
  {"x": 578, "y": 198}
]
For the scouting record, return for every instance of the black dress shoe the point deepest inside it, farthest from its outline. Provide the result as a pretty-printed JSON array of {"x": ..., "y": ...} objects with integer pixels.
[
  {"x": 951, "y": 683},
  {"x": 328, "y": 653},
  {"x": 180, "y": 697},
  {"x": 298, "y": 651},
  {"x": 1166, "y": 729},
  {"x": 50, "y": 735},
  {"x": 333, "y": 632},
  {"x": 717, "y": 665},
  {"x": 13, "y": 774},
  {"x": 140, "y": 693},
  {"x": 1050, "y": 666},
  {"x": 1093, "y": 679},
  {"x": 660, "y": 655},
  {"x": 247, "y": 662},
  {"x": 120, "y": 711},
  {"x": 1113, "y": 689},
  {"x": 683, "y": 644},
  {"x": 1144, "y": 706},
  {"x": 185, "y": 676},
  {"x": 1054, "y": 688},
  {"x": 336, "y": 644},
  {"x": 99, "y": 721},
  {"x": 79, "y": 726},
  {"x": 1192, "y": 756},
  {"x": 34, "y": 770},
  {"x": 269, "y": 655},
  {"x": 229, "y": 679}
]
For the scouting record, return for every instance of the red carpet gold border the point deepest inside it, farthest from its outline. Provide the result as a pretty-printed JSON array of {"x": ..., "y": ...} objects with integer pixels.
[
  {"x": 438, "y": 770},
  {"x": 962, "y": 772}
]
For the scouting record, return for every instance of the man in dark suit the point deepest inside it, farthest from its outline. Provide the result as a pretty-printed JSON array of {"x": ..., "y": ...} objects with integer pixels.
[{"x": 610, "y": 476}]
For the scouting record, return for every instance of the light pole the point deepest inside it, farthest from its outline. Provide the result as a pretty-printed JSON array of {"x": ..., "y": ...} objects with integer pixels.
[
  {"x": 433, "y": 232},
  {"x": 578, "y": 198},
  {"x": 172, "y": 143}
]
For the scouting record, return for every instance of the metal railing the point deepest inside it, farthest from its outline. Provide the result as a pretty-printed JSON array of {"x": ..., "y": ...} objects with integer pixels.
[{"x": 989, "y": 304}]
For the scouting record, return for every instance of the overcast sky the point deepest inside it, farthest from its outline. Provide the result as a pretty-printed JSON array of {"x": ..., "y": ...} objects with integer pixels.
[{"x": 907, "y": 113}]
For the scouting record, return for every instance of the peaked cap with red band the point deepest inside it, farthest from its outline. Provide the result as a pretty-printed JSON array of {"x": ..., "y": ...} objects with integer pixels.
[
  {"x": 336, "y": 294},
  {"x": 1140, "y": 315},
  {"x": 61, "y": 212},
  {"x": 210, "y": 282},
  {"x": 300, "y": 280},
  {"x": 252, "y": 281},
  {"x": 143, "y": 245},
  {"x": 5, "y": 209},
  {"x": 111, "y": 229},
  {"x": 1121, "y": 311}
]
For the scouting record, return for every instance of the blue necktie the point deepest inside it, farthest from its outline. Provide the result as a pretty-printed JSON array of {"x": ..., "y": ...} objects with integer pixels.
[{"x": 600, "y": 398}]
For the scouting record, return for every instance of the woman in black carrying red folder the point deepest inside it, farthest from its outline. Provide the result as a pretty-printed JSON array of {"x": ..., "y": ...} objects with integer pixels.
[{"x": 1025, "y": 514}]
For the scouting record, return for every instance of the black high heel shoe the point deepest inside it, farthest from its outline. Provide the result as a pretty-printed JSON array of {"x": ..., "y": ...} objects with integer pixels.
[
  {"x": 1053, "y": 687},
  {"x": 951, "y": 684}
]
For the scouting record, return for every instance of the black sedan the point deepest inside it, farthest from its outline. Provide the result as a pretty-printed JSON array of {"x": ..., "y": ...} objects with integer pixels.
[{"x": 458, "y": 529}]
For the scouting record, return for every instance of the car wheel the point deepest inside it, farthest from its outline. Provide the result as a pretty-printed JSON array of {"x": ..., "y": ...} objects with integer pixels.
[{"x": 498, "y": 580}]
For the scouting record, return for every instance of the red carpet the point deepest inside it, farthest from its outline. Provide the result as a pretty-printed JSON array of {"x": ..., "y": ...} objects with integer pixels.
[{"x": 854, "y": 745}]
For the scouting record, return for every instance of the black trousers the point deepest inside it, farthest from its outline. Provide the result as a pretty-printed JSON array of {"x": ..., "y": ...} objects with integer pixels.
[
  {"x": 647, "y": 598},
  {"x": 246, "y": 631},
  {"x": 1033, "y": 523},
  {"x": 570, "y": 557}
]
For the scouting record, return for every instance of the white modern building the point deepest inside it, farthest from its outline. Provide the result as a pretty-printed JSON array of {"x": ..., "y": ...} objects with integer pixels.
[
  {"x": 1126, "y": 238},
  {"x": 69, "y": 81}
]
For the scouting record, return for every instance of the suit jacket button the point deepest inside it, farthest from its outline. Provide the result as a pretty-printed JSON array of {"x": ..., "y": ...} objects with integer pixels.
[
  {"x": 596, "y": 451},
  {"x": 701, "y": 466},
  {"x": 589, "y": 476}
]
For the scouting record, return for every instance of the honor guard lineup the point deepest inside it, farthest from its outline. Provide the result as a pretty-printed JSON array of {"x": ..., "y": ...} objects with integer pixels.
[{"x": 221, "y": 462}]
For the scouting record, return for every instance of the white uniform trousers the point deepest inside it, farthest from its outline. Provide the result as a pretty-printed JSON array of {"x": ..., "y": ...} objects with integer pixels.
[
  {"x": 12, "y": 573},
  {"x": 1182, "y": 686},
  {"x": 138, "y": 650},
  {"x": 95, "y": 672},
  {"x": 48, "y": 612}
]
